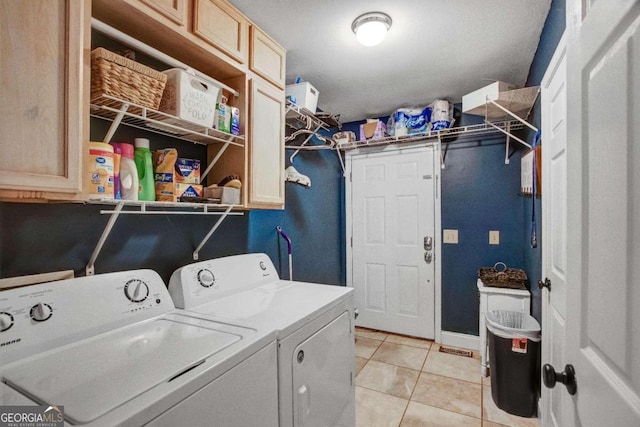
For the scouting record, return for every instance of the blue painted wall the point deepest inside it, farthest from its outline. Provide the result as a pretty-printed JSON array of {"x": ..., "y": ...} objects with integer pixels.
[
  {"x": 313, "y": 219},
  {"x": 479, "y": 193}
]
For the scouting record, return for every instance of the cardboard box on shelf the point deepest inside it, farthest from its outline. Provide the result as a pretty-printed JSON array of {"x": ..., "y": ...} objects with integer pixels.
[
  {"x": 373, "y": 129},
  {"x": 187, "y": 171},
  {"x": 187, "y": 190}
]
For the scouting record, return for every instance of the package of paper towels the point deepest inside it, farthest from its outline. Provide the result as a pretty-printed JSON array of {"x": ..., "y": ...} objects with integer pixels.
[
  {"x": 441, "y": 114},
  {"x": 407, "y": 121}
]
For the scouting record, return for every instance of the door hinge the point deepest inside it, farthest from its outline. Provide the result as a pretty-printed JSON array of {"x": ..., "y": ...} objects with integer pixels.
[{"x": 351, "y": 241}]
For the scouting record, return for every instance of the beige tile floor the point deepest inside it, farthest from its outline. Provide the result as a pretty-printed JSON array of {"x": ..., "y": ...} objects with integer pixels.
[{"x": 407, "y": 382}]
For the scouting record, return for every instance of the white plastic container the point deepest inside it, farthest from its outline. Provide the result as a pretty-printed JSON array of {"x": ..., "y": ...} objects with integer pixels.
[
  {"x": 100, "y": 170},
  {"x": 474, "y": 102},
  {"x": 189, "y": 97},
  {"x": 128, "y": 174},
  {"x": 306, "y": 96}
]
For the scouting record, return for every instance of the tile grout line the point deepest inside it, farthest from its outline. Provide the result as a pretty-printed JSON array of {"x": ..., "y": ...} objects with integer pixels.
[
  {"x": 420, "y": 373},
  {"x": 415, "y": 385}
]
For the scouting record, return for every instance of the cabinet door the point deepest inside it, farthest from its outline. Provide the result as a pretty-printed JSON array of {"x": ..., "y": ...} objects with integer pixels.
[
  {"x": 175, "y": 10},
  {"x": 220, "y": 24},
  {"x": 266, "y": 149},
  {"x": 266, "y": 57},
  {"x": 44, "y": 113}
]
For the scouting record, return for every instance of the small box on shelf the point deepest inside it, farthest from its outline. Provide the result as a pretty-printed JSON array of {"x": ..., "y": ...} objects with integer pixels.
[{"x": 373, "y": 129}]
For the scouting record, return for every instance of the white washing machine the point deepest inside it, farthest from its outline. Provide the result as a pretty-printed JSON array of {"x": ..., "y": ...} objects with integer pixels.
[
  {"x": 112, "y": 350},
  {"x": 313, "y": 322}
]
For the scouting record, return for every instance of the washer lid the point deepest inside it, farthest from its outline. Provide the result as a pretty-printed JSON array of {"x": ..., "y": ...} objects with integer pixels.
[
  {"x": 94, "y": 376},
  {"x": 281, "y": 305}
]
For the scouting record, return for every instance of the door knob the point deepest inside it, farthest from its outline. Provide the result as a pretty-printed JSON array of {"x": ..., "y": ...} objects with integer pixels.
[
  {"x": 428, "y": 257},
  {"x": 428, "y": 243},
  {"x": 568, "y": 377},
  {"x": 545, "y": 284}
]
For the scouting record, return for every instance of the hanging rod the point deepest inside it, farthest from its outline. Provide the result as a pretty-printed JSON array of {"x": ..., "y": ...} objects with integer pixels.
[{"x": 150, "y": 51}]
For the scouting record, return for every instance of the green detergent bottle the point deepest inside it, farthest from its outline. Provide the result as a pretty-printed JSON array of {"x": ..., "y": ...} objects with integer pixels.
[{"x": 144, "y": 165}]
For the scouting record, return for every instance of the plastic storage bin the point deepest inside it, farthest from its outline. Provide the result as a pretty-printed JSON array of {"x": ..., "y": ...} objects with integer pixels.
[
  {"x": 189, "y": 97},
  {"x": 514, "y": 347},
  {"x": 306, "y": 96}
]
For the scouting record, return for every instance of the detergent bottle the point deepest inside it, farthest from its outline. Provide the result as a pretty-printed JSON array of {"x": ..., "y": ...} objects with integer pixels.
[
  {"x": 144, "y": 166},
  {"x": 129, "y": 186}
]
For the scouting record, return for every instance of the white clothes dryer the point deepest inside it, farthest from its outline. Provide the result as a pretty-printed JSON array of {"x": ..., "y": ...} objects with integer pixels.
[
  {"x": 314, "y": 324},
  {"x": 112, "y": 350}
]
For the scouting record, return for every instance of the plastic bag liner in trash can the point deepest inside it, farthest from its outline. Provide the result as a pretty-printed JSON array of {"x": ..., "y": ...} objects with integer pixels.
[{"x": 514, "y": 345}]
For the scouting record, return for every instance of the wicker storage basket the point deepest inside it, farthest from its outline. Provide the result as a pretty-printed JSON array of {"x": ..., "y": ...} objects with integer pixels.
[
  {"x": 504, "y": 277},
  {"x": 122, "y": 78}
]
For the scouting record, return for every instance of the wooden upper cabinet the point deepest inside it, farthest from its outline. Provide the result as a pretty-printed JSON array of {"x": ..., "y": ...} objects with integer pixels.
[
  {"x": 267, "y": 58},
  {"x": 175, "y": 10},
  {"x": 220, "y": 24},
  {"x": 266, "y": 146},
  {"x": 44, "y": 114}
]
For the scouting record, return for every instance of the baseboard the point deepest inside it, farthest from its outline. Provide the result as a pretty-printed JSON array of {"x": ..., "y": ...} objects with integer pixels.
[{"x": 454, "y": 339}]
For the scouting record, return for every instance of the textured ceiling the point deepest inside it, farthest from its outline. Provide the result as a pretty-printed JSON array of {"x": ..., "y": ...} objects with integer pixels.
[{"x": 434, "y": 49}]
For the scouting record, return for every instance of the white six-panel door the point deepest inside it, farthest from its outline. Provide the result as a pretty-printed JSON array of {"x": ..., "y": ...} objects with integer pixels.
[
  {"x": 393, "y": 251},
  {"x": 554, "y": 228},
  {"x": 603, "y": 233}
]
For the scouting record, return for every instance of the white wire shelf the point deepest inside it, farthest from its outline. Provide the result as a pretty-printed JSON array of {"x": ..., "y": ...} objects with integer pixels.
[
  {"x": 445, "y": 136},
  {"x": 160, "y": 208},
  {"x": 113, "y": 109},
  {"x": 301, "y": 118},
  {"x": 157, "y": 208}
]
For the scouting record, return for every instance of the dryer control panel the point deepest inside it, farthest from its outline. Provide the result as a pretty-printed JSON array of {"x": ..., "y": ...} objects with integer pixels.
[
  {"x": 206, "y": 281},
  {"x": 39, "y": 317}
]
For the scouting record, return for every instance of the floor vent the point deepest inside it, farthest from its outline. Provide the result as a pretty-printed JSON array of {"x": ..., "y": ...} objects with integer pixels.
[{"x": 456, "y": 351}]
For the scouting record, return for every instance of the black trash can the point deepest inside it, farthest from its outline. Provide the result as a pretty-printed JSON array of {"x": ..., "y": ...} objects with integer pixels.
[{"x": 514, "y": 346}]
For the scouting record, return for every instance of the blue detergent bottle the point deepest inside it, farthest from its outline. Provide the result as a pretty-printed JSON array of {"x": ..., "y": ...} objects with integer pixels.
[{"x": 144, "y": 165}]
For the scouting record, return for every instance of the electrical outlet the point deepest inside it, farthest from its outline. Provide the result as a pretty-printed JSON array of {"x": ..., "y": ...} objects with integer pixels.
[
  {"x": 494, "y": 237},
  {"x": 450, "y": 236}
]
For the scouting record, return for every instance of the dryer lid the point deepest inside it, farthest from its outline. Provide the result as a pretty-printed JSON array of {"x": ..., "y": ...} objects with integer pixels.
[{"x": 94, "y": 376}]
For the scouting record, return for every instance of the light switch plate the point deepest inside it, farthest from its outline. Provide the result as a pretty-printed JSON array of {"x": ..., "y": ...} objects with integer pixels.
[
  {"x": 450, "y": 236},
  {"x": 494, "y": 237}
]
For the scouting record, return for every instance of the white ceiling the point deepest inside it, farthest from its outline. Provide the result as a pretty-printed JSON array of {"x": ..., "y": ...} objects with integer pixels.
[{"x": 435, "y": 49}]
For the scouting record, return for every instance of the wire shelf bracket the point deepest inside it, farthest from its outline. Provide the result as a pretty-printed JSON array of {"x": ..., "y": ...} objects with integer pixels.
[{"x": 200, "y": 209}]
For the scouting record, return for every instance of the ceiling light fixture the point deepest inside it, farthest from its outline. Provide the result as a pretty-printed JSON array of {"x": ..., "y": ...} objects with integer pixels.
[{"x": 371, "y": 28}]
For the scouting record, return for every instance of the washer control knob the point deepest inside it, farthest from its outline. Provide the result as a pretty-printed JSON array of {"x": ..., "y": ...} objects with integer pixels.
[
  {"x": 206, "y": 278},
  {"x": 136, "y": 290},
  {"x": 263, "y": 266},
  {"x": 41, "y": 312},
  {"x": 6, "y": 321}
]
